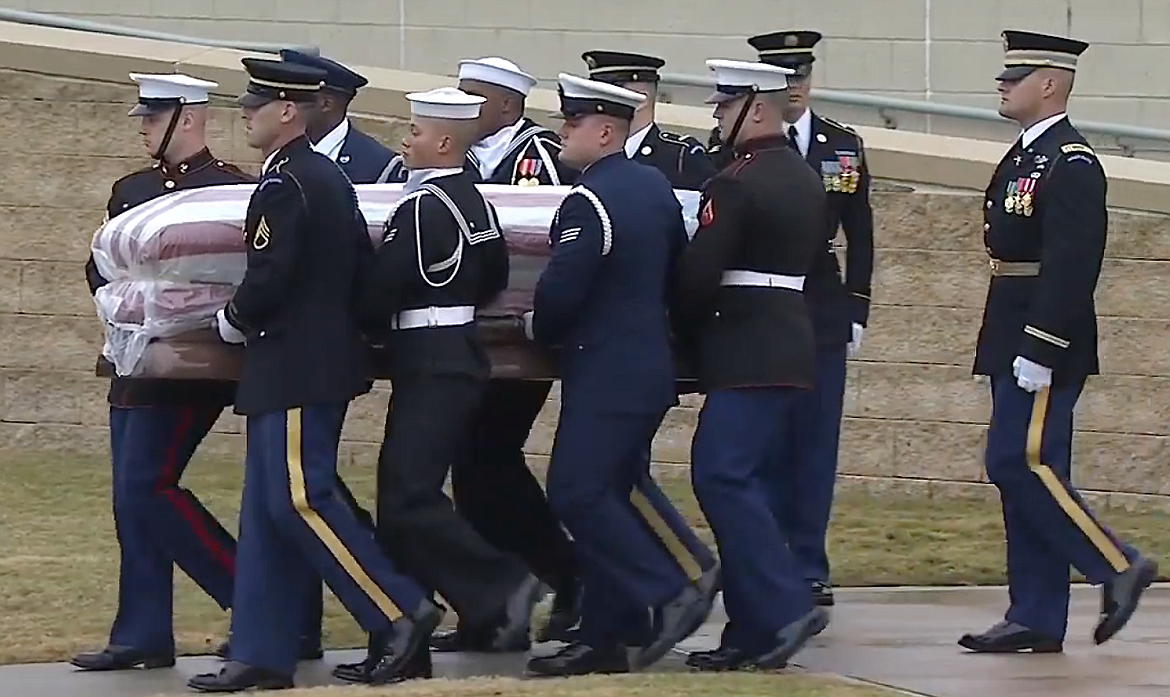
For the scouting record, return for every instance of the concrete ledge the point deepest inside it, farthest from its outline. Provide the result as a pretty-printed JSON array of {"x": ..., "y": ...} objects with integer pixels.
[{"x": 894, "y": 155}]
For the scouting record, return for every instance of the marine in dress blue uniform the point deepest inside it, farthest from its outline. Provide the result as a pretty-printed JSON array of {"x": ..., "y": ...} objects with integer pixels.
[
  {"x": 740, "y": 317},
  {"x": 1045, "y": 223},
  {"x": 492, "y": 486},
  {"x": 156, "y": 425},
  {"x": 443, "y": 257},
  {"x": 602, "y": 300},
  {"x": 361, "y": 157},
  {"x": 305, "y": 359},
  {"x": 808, "y": 445}
]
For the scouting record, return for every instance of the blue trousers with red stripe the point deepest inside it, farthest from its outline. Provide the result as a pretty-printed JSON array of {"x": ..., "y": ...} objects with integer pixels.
[
  {"x": 293, "y": 523},
  {"x": 1048, "y": 525},
  {"x": 160, "y": 524}
]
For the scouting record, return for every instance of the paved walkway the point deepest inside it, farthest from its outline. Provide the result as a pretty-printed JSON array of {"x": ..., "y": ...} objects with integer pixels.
[{"x": 903, "y": 638}]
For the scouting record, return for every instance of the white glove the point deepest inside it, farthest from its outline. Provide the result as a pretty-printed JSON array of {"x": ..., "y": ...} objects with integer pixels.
[
  {"x": 226, "y": 331},
  {"x": 1031, "y": 376},
  {"x": 855, "y": 343},
  {"x": 528, "y": 326}
]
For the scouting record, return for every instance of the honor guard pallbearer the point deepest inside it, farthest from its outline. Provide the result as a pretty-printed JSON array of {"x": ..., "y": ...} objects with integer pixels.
[
  {"x": 156, "y": 425},
  {"x": 490, "y": 480},
  {"x": 602, "y": 299},
  {"x": 443, "y": 257},
  {"x": 741, "y": 318},
  {"x": 806, "y": 450},
  {"x": 1044, "y": 227},
  {"x": 305, "y": 359},
  {"x": 330, "y": 129}
]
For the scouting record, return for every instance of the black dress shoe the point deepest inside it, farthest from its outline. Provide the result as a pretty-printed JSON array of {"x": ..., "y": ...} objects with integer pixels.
[
  {"x": 791, "y": 639},
  {"x": 565, "y": 614},
  {"x": 673, "y": 622},
  {"x": 310, "y": 650},
  {"x": 579, "y": 659},
  {"x": 418, "y": 667},
  {"x": 1120, "y": 598},
  {"x": 516, "y": 616},
  {"x": 121, "y": 658},
  {"x": 822, "y": 594},
  {"x": 238, "y": 677},
  {"x": 391, "y": 653},
  {"x": 721, "y": 659},
  {"x": 1009, "y": 637},
  {"x": 475, "y": 640}
]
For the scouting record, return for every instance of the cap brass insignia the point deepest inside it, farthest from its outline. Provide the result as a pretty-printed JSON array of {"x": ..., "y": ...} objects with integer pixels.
[
  {"x": 590, "y": 62},
  {"x": 791, "y": 40}
]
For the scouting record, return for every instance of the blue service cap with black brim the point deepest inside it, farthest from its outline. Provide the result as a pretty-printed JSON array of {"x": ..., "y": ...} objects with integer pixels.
[
  {"x": 273, "y": 80},
  {"x": 1025, "y": 51},
  {"x": 338, "y": 78},
  {"x": 788, "y": 49}
]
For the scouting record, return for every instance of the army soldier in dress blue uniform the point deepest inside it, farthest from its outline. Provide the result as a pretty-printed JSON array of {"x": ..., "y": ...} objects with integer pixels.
[
  {"x": 156, "y": 425},
  {"x": 333, "y": 134},
  {"x": 492, "y": 485},
  {"x": 740, "y": 314},
  {"x": 682, "y": 159},
  {"x": 362, "y": 159},
  {"x": 602, "y": 300},
  {"x": 443, "y": 257},
  {"x": 305, "y": 359},
  {"x": 808, "y": 446},
  {"x": 1044, "y": 227}
]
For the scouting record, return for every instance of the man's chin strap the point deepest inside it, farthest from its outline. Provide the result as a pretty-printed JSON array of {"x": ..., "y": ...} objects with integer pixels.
[
  {"x": 166, "y": 139},
  {"x": 726, "y": 152}
]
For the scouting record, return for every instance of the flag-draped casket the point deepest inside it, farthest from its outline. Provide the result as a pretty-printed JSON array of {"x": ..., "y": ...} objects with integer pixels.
[{"x": 174, "y": 261}]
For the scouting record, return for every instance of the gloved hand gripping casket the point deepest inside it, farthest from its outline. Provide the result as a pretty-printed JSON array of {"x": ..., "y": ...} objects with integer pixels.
[{"x": 174, "y": 261}]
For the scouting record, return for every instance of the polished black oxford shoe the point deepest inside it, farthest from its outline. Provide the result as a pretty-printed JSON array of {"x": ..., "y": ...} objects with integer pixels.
[
  {"x": 579, "y": 659},
  {"x": 1009, "y": 637},
  {"x": 390, "y": 653},
  {"x": 1120, "y": 597},
  {"x": 721, "y": 659},
  {"x": 121, "y": 658},
  {"x": 239, "y": 677},
  {"x": 822, "y": 594},
  {"x": 417, "y": 667},
  {"x": 477, "y": 640}
]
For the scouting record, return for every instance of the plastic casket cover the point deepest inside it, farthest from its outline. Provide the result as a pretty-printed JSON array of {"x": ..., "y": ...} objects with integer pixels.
[{"x": 174, "y": 261}]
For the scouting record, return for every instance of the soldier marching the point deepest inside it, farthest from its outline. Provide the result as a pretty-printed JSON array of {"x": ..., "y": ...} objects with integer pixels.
[{"x": 755, "y": 306}]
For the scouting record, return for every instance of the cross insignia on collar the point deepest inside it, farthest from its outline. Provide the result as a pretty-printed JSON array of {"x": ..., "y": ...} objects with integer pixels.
[{"x": 1018, "y": 160}]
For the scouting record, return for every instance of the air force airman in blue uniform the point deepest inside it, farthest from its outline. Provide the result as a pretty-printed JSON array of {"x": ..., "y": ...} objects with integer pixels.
[
  {"x": 1045, "y": 225},
  {"x": 332, "y": 133},
  {"x": 602, "y": 300},
  {"x": 156, "y": 425},
  {"x": 740, "y": 314},
  {"x": 807, "y": 448},
  {"x": 305, "y": 358}
]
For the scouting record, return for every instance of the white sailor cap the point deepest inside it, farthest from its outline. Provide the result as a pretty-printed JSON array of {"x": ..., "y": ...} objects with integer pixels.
[
  {"x": 445, "y": 103},
  {"x": 159, "y": 92},
  {"x": 734, "y": 79},
  {"x": 497, "y": 71},
  {"x": 581, "y": 97}
]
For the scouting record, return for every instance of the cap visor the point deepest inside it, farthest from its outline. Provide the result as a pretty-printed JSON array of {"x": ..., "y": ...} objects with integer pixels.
[
  {"x": 249, "y": 100},
  {"x": 720, "y": 97},
  {"x": 1013, "y": 74}
]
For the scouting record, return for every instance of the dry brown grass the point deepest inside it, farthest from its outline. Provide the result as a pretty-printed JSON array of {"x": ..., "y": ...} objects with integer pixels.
[
  {"x": 58, "y": 554},
  {"x": 640, "y": 685}
]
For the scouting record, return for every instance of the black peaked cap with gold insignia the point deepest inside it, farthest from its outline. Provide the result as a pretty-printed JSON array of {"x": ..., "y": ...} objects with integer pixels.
[
  {"x": 1025, "y": 51},
  {"x": 617, "y": 67},
  {"x": 788, "y": 49},
  {"x": 273, "y": 80}
]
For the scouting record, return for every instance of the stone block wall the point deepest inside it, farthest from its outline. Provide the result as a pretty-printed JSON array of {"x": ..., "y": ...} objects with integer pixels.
[{"x": 915, "y": 419}]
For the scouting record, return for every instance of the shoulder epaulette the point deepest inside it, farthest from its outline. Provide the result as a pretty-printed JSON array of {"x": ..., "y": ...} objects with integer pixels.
[
  {"x": 1068, "y": 148},
  {"x": 838, "y": 124}
]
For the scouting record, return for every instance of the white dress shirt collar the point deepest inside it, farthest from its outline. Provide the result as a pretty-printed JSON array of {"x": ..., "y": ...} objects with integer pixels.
[
  {"x": 634, "y": 141},
  {"x": 803, "y": 131},
  {"x": 1031, "y": 133},
  {"x": 330, "y": 144}
]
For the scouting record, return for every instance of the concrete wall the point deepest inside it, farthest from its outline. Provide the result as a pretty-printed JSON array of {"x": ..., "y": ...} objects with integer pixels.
[
  {"x": 945, "y": 50},
  {"x": 914, "y": 417}
]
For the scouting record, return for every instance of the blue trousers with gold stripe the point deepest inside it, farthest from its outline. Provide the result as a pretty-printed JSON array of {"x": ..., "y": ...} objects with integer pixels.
[
  {"x": 293, "y": 523},
  {"x": 608, "y": 617},
  {"x": 1048, "y": 525}
]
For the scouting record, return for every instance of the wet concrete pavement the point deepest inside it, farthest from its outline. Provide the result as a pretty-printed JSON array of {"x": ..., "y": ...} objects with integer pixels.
[{"x": 903, "y": 638}]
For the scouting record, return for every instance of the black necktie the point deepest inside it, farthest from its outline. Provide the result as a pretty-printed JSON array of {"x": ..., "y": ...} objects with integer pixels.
[{"x": 792, "y": 142}]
